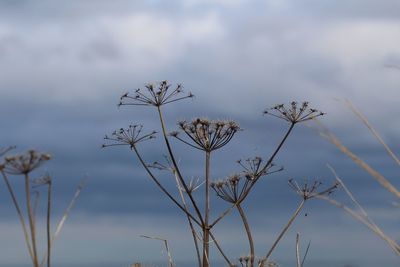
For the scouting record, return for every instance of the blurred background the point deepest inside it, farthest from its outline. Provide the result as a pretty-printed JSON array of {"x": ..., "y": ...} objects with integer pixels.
[{"x": 64, "y": 65}]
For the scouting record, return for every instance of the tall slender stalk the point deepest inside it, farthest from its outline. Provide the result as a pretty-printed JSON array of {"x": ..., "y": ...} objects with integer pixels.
[
  {"x": 283, "y": 232},
  {"x": 31, "y": 220},
  {"x": 206, "y": 229},
  {"x": 248, "y": 232},
  {"x": 189, "y": 219},
  {"x": 220, "y": 250},
  {"x": 64, "y": 217},
  {"x": 20, "y": 215},
  {"x": 298, "y": 261},
  {"x": 171, "y": 154},
  {"x": 162, "y": 187},
  {"x": 49, "y": 191}
]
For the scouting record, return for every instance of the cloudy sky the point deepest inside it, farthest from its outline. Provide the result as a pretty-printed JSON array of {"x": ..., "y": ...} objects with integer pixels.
[{"x": 64, "y": 65}]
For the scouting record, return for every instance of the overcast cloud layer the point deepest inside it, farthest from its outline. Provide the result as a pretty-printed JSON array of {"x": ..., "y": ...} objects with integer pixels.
[{"x": 64, "y": 65}]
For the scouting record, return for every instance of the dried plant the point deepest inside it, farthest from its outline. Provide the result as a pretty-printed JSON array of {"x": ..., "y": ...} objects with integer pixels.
[
  {"x": 23, "y": 165},
  {"x": 206, "y": 136},
  {"x": 359, "y": 212}
]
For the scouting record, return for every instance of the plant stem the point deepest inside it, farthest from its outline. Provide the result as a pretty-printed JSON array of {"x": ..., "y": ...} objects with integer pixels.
[
  {"x": 299, "y": 208},
  {"x": 392, "y": 243},
  {"x": 162, "y": 187},
  {"x": 31, "y": 220},
  {"x": 20, "y": 215},
  {"x": 298, "y": 250},
  {"x": 189, "y": 219},
  {"x": 48, "y": 223},
  {"x": 248, "y": 232},
  {"x": 220, "y": 249},
  {"x": 206, "y": 229},
  {"x": 64, "y": 217},
  {"x": 171, "y": 154},
  {"x": 226, "y": 212}
]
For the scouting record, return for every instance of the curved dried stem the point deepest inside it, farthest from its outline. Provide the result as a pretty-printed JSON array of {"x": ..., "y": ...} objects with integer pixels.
[
  {"x": 188, "y": 218},
  {"x": 170, "y": 261},
  {"x": 373, "y": 131},
  {"x": 392, "y": 243},
  {"x": 175, "y": 165},
  {"x": 220, "y": 249},
  {"x": 162, "y": 188},
  {"x": 64, "y": 217},
  {"x": 20, "y": 215},
  {"x": 248, "y": 232},
  {"x": 283, "y": 232},
  {"x": 31, "y": 220},
  {"x": 375, "y": 174}
]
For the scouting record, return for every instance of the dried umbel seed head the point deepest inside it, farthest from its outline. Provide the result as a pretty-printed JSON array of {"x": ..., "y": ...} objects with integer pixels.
[
  {"x": 310, "y": 190},
  {"x": 42, "y": 181},
  {"x": 294, "y": 113},
  {"x": 24, "y": 163},
  {"x": 233, "y": 188},
  {"x": 130, "y": 136},
  {"x": 154, "y": 95},
  {"x": 253, "y": 168},
  {"x": 207, "y": 135}
]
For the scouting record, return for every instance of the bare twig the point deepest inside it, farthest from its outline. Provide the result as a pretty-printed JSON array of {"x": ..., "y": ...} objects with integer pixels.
[
  {"x": 20, "y": 214},
  {"x": 373, "y": 131},
  {"x": 360, "y": 218},
  {"x": 170, "y": 261},
  {"x": 376, "y": 175},
  {"x": 65, "y": 216},
  {"x": 288, "y": 224}
]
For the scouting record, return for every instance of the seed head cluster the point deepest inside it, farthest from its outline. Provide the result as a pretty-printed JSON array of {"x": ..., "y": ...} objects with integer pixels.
[
  {"x": 42, "y": 180},
  {"x": 130, "y": 136},
  {"x": 154, "y": 95},
  {"x": 207, "y": 135},
  {"x": 24, "y": 163},
  {"x": 294, "y": 113},
  {"x": 233, "y": 188},
  {"x": 308, "y": 191},
  {"x": 253, "y": 168}
]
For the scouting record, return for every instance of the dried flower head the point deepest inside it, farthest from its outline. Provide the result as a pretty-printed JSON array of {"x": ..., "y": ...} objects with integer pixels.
[
  {"x": 45, "y": 180},
  {"x": 254, "y": 169},
  {"x": 154, "y": 95},
  {"x": 233, "y": 188},
  {"x": 294, "y": 113},
  {"x": 24, "y": 163},
  {"x": 130, "y": 136},
  {"x": 207, "y": 135},
  {"x": 307, "y": 191}
]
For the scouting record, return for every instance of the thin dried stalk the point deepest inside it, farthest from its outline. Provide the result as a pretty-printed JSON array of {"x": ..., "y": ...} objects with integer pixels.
[
  {"x": 373, "y": 227},
  {"x": 20, "y": 215},
  {"x": 220, "y": 249},
  {"x": 206, "y": 229},
  {"x": 248, "y": 232},
  {"x": 298, "y": 263},
  {"x": 373, "y": 131},
  {"x": 65, "y": 216},
  {"x": 188, "y": 218},
  {"x": 283, "y": 232},
  {"x": 48, "y": 224},
  {"x": 171, "y": 155},
  {"x": 267, "y": 164},
  {"x": 376, "y": 175},
  {"x": 170, "y": 261},
  {"x": 31, "y": 220}
]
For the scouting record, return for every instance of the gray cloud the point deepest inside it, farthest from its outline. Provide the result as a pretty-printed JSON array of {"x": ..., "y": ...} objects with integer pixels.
[{"x": 64, "y": 67}]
